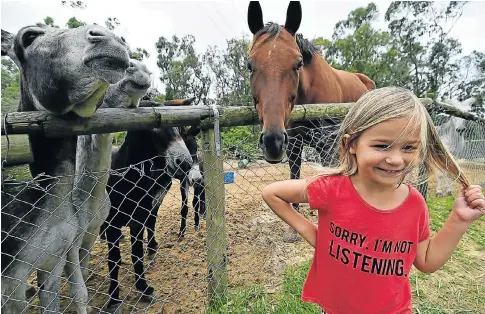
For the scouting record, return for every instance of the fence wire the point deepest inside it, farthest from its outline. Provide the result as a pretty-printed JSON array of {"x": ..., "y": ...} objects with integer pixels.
[{"x": 178, "y": 268}]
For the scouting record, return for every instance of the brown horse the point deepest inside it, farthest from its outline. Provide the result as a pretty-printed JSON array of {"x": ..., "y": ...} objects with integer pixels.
[{"x": 287, "y": 70}]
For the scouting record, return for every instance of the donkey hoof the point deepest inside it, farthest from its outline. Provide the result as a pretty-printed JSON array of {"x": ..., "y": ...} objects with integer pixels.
[
  {"x": 148, "y": 298},
  {"x": 112, "y": 308},
  {"x": 291, "y": 236},
  {"x": 448, "y": 193},
  {"x": 30, "y": 292},
  {"x": 439, "y": 194}
]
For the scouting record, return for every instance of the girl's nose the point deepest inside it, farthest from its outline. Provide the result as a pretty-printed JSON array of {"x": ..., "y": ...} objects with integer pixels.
[{"x": 394, "y": 159}]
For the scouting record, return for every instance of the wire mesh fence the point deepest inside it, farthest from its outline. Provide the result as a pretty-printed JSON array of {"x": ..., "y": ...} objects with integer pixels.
[{"x": 238, "y": 239}]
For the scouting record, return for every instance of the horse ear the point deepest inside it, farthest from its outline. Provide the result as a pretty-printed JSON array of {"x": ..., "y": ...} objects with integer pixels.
[
  {"x": 188, "y": 101},
  {"x": 25, "y": 37},
  {"x": 255, "y": 17},
  {"x": 293, "y": 17}
]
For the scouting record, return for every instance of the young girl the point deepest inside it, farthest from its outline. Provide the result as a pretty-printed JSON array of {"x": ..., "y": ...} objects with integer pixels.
[{"x": 371, "y": 227}]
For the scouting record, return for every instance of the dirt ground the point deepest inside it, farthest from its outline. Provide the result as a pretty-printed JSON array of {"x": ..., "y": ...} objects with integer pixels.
[{"x": 256, "y": 253}]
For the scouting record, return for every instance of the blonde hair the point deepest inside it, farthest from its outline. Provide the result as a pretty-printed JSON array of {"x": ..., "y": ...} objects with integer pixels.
[{"x": 387, "y": 103}]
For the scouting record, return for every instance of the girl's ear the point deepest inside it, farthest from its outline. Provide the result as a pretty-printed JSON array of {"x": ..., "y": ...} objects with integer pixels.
[{"x": 348, "y": 144}]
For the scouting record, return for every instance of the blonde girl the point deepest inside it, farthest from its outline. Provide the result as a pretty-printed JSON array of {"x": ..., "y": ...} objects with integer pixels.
[{"x": 372, "y": 227}]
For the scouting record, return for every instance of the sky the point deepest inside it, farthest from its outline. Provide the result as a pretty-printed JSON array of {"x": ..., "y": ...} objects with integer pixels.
[{"x": 212, "y": 22}]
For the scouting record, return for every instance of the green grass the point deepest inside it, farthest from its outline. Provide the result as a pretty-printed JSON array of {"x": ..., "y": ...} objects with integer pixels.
[{"x": 459, "y": 287}]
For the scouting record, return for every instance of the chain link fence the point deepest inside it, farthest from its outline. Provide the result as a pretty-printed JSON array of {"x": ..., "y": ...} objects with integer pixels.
[{"x": 238, "y": 243}]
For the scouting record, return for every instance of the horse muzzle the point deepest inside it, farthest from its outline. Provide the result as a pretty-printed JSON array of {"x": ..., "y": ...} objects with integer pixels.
[{"x": 273, "y": 144}]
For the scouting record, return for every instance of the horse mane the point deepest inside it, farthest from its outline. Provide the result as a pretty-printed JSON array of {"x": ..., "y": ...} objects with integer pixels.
[{"x": 307, "y": 48}]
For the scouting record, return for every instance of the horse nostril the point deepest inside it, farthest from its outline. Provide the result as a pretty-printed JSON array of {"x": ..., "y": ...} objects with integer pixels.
[
  {"x": 261, "y": 140},
  {"x": 285, "y": 139}
]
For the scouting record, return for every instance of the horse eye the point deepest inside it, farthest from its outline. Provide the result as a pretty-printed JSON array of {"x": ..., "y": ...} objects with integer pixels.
[
  {"x": 248, "y": 64},
  {"x": 300, "y": 64}
]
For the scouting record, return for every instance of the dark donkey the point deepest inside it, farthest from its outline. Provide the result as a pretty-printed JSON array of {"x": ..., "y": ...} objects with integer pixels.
[
  {"x": 145, "y": 163},
  {"x": 288, "y": 70},
  {"x": 193, "y": 178}
]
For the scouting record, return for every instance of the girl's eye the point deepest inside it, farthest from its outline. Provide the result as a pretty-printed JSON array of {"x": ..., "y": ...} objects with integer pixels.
[
  {"x": 408, "y": 148},
  {"x": 383, "y": 147}
]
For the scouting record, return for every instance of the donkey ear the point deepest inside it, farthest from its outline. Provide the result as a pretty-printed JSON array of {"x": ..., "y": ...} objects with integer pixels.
[
  {"x": 194, "y": 130},
  {"x": 255, "y": 17},
  {"x": 293, "y": 17},
  {"x": 24, "y": 38}
]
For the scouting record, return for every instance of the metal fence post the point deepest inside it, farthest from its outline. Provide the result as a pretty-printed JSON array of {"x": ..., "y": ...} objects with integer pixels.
[{"x": 216, "y": 241}]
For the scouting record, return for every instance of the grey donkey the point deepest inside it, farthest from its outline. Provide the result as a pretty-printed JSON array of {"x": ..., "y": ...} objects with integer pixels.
[
  {"x": 92, "y": 177},
  {"x": 64, "y": 72}
]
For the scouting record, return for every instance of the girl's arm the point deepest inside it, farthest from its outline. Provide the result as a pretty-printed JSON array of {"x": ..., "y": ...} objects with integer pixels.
[
  {"x": 279, "y": 195},
  {"x": 436, "y": 251}
]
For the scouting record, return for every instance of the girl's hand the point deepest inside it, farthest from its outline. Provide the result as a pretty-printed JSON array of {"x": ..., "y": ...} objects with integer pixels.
[{"x": 469, "y": 204}]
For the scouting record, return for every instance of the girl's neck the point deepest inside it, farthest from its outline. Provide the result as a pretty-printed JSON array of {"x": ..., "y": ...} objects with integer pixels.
[{"x": 384, "y": 197}]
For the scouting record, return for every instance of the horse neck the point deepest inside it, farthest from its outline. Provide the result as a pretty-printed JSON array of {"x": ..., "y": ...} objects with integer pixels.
[{"x": 314, "y": 77}]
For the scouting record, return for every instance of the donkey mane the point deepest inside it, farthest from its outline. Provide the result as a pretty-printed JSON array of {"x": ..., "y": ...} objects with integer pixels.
[{"x": 307, "y": 48}]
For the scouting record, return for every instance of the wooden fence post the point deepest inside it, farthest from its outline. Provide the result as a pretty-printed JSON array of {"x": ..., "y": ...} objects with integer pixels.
[{"x": 216, "y": 241}]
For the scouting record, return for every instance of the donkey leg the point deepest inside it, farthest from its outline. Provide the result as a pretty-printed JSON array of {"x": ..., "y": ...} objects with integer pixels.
[
  {"x": 50, "y": 284},
  {"x": 153, "y": 245},
  {"x": 294, "y": 159},
  {"x": 13, "y": 292},
  {"x": 136, "y": 232},
  {"x": 439, "y": 180},
  {"x": 113, "y": 235},
  {"x": 199, "y": 199},
  {"x": 448, "y": 183},
  {"x": 184, "y": 189},
  {"x": 78, "y": 291}
]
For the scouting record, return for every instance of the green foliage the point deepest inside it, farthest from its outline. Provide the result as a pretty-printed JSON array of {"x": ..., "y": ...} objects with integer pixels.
[
  {"x": 230, "y": 73},
  {"x": 10, "y": 86},
  {"x": 356, "y": 46},
  {"x": 74, "y": 23},
  {"x": 111, "y": 23},
  {"x": 118, "y": 138},
  {"x": 139, "y": 54},
  {"x": 421, "y": 30},
  {"x": 241, "y": 141},
  {"x": 182, "y": 69},
  {"x": 49, "y": 21},
  {"x": 252, "y": 300},
  {"x": 160, "y": 98}
]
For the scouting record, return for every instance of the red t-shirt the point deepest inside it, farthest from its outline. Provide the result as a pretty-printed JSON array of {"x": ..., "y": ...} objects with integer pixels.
[{"x": 363, "y": 255}]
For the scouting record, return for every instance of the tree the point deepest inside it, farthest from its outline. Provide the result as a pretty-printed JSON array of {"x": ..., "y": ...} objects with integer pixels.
[
  {"x": 468, "y": 80},
  {"x": 356, "y": 46},
  {"x": 112, "y": 23},
  {"x": 230, "y": 73},
  {"x": 74, "y": 4},
  {"x": 10, "y": 86},
  {"x": 74, "y": 23},
  {"x": 182, "y": 69},
  {"x": 422, "y": 31}
]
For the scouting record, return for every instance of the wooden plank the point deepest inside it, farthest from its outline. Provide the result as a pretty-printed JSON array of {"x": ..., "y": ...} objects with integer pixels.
[
  {"x": 116, "y": 120},
  {"x": 216, "y": 242},
  {"x": 16, "y": 150}
]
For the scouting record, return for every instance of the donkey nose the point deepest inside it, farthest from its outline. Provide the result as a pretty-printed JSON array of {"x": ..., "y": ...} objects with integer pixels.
[{"x": 97, "y": 33}]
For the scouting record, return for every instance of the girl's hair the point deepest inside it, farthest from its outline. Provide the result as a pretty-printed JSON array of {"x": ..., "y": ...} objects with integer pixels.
[{"x": 387, "y": 103}]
